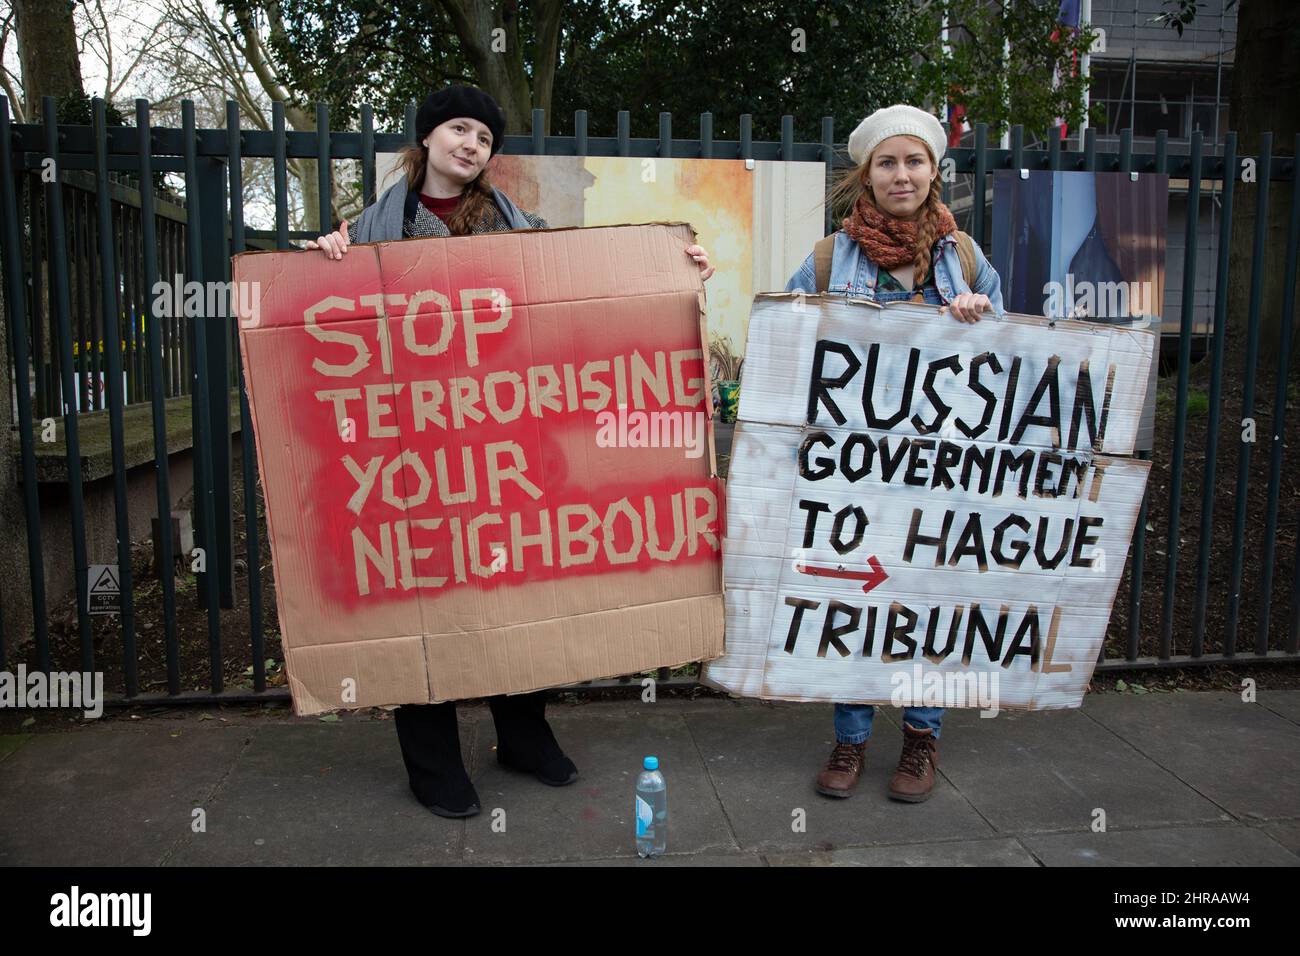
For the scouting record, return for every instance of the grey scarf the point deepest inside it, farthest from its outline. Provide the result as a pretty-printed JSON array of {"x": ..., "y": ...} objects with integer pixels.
[{"x": 382, "y": 222}]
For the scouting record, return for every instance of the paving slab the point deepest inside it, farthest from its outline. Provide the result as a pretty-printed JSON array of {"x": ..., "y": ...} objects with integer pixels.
[
  {"x": 1285, "y": 832},
  {"x": 1050, "y": 770},
  {"x": 11, "y": 742},
  {"x": 108, "y": 796},
  {"x": 1284, "y": 703},
  {"x": 322, "y": 795},
  {"x": 1226, "y": 845},
  {"x": 1242, "y": 756},
  {"x": 764, "y": 758},
  {"x": 1005, "y": 851},
  {"x": 524, "y": 820},
  {"x": 673, "y": 860}
]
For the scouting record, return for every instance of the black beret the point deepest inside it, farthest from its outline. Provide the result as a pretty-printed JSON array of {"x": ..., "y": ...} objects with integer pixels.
[{"x": 456, "y": 101}]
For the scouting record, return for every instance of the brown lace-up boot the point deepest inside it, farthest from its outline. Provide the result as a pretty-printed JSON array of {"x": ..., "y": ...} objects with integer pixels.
[
  {"x": 914, "y": 778},
  {"x": 840, "y": 776}
]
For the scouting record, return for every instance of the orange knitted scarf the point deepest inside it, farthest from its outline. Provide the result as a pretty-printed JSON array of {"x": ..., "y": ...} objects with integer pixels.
[{"x": 889, "y": 241}]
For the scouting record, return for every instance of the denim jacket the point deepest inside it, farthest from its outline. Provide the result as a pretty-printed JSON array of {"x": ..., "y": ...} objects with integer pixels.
[{"x": 854, "y": 274}]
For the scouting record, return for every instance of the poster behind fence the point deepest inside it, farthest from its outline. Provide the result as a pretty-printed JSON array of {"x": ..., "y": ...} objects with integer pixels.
[
  {"x": 923, "y": 512},
  {"x": 486, "y": 460},
  {"x": 757, "y": 218},
  {"x": 1087, "y": 246}
]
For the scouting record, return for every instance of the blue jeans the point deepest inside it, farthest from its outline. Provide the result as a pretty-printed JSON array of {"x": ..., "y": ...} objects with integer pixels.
[{"x": 853, "y": 721}]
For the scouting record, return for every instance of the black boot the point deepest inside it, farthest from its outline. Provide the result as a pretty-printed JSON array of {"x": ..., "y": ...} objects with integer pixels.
[
  {"x": 430, "y": 745},
  {"x": 525, "y": 741}
]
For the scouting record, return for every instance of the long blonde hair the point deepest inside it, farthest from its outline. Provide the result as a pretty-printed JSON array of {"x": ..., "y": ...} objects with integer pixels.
[
  {"x": 854, "y": 184},
  {"x": 413, "y": 160}
]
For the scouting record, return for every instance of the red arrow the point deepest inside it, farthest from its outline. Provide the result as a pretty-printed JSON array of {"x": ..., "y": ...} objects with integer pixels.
[{"x": 872, "y": 578}]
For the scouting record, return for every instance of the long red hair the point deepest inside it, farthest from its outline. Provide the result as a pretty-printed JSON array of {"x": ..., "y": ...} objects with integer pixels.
[{"x": 413, "y": 160}]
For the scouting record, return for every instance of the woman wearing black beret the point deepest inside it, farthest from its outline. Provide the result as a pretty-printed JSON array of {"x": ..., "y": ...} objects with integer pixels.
[{"x": 445, "y": 191}]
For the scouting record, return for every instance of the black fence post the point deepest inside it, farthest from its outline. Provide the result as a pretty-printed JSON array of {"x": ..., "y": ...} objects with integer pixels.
[
  {"x": 1278, "y": 428},
  {"x": 60, "y": 314},
  {"x": 115, "y": 393},
  {"x": 1180, "y": 407},
  {"x": 977, "y": 187},
  {"x": 280, "y": 164},
  {"x": 157, "y": 387},
  {"x": 216, "y": 328},
  {"x": 1264, "y": 174},
  {"x": 539, "y": 132},
  {"x": 580, "y": 132},
  {"x": 204, "y": 441},
  {"x": 828, "y": 157}
]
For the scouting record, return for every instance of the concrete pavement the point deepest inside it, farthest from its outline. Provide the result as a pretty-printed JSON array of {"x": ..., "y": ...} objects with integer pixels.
[{"x": 1195, "y": 778}]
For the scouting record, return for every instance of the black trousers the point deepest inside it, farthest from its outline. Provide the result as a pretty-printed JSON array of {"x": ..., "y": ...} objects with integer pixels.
[{"x": 430, "y": 739}]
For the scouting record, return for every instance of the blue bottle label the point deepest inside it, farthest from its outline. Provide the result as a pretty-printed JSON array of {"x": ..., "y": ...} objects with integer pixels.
[{"x": 644, "y": 816}]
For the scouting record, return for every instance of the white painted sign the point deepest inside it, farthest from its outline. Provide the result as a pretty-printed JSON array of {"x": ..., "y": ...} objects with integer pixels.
[
  {"x": 914, "y": 502},
  {"x": 103, "y": 589}
]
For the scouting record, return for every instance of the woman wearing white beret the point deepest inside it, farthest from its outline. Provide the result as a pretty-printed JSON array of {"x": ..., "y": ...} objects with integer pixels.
[{"x": 898, "y": 242}]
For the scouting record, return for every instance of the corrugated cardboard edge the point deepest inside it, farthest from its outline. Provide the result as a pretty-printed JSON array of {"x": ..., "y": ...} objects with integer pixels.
[
  {"x": 877, "y": 702},
  {"x": 411, "y": 648},
  {"x": 388, "y": 242},
  {"x": 1137, "y": 326}
]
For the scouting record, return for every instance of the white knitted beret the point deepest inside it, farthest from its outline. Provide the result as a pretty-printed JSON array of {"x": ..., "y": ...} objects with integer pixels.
[{"x": 897, "y": 120}]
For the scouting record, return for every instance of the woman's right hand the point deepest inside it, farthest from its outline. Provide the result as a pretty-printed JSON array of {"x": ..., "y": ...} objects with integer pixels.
[{"x": 334, "y": 245}]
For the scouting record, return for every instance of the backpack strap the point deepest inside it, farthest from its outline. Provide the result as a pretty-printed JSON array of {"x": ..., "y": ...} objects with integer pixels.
[
  {"x": 823, "y": 250},
  {"x": 966, "y": 256}
]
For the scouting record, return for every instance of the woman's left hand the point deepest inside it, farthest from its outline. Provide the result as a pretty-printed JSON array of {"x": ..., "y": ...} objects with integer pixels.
[
  {"x": 968, "y": 306},
  {"x": 702, "y": 259}
]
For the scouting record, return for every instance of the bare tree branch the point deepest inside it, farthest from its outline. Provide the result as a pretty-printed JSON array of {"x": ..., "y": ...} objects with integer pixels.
[
  {"x": 11, "y": 82},
  {"x": 156, "y": 40},
  {"x": 107, "y": 42}
]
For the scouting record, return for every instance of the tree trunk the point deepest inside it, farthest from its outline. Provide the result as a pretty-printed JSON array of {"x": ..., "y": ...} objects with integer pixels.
[
  {"x": 546, "y": 56},
  {"x": 16, "y": 609},
  {"x": 47, "y": 50},
  {"x": 1265, "y": 91},
  {"x": 492, "y": 46}
]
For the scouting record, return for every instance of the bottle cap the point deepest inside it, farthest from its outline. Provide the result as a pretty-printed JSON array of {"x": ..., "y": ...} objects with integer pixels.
[{"x": 651, "y": 763}]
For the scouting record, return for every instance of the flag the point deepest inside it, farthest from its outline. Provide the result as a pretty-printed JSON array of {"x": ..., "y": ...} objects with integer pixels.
[
  {"x": 1067, "y": 19},
  {"x": 957, "y": 124}
]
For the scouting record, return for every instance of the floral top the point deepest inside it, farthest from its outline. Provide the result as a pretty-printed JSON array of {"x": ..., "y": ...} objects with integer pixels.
[{"x": 886, "y": 282}]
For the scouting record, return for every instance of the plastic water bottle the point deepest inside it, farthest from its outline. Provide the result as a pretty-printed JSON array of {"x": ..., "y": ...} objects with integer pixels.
[{"x": 651, "y": 810}]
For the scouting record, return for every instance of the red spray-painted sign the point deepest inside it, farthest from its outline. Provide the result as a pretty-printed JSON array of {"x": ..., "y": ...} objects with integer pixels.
[{"x": 477, "y": 412}]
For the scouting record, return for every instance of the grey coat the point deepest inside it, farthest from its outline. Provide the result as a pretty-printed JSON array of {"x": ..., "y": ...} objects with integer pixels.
[{"x": 400, "y": 215}]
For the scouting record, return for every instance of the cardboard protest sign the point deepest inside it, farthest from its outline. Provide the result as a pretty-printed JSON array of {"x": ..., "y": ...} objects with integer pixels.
[
  {"x": 487, "y": 461},
  {"x": 924, "y": 512}
]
